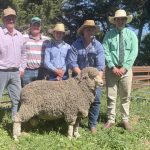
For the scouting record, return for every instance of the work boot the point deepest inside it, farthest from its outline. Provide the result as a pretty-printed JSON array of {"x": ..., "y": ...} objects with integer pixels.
[
  {"x": 127, "y": 126},
  {"x": 93, "y": 130},
  {"x": 108, "y": 125}
]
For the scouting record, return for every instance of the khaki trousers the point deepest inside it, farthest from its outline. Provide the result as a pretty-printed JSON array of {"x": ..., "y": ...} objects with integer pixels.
[{"x": 121, "y": 86}]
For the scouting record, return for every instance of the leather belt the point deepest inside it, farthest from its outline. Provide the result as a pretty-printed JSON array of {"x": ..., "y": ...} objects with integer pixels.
[{"x": 11, "y": 69}]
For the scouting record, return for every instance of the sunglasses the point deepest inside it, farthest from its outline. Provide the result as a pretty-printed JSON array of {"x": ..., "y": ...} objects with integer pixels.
[{"x": 10, "y": 18}]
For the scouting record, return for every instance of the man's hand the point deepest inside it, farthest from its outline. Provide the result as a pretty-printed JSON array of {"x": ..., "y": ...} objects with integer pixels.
[
  {"x": 21, "y": 73},
  {"x": 59, "y": 72},
  {"x": 122, "y": 70},
  {"x": 119, "y": 71}
]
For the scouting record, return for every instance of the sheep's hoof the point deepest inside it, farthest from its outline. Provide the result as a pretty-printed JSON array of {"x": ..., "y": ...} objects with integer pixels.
[
  {"x": 76, "y": 134},
  {"x": 70, "y": 137},
  {"x": 15, "y": 138},
  {"x": 24, "y": 134}
]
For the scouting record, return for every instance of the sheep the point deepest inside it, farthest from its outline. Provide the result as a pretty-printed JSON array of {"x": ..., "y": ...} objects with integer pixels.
[{"x": 69, "y": 99}]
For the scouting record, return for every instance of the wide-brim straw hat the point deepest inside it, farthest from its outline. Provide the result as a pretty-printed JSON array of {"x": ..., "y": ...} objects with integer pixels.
[
  {"x": 87, "y": 23},
  {"x": 120, "y": 14},
  {"x": 58, "y": 27},
  {"x": 9, "y": 11}
]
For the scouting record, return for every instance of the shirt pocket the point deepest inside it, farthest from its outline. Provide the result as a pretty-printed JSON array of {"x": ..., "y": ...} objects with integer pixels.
[
  {"x": 128, "y": 45},
  {"x": 113, "y": 46},
  {"x": 63, "y": 54}
]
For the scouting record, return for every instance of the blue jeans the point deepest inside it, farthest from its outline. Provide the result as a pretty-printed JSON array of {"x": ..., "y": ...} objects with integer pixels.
[
  {"x": 11, "y": 81},
  {"x": 52, "y": 76},
  {"x": 32, "y": 75},
  {"x": 95, "y": 109}
]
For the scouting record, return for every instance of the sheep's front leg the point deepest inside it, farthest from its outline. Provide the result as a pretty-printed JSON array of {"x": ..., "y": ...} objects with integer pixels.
[
  {"x": 70, "y": 132},
  {"x": 76, "y": 128},
  {"x": 16, "y": 130}
]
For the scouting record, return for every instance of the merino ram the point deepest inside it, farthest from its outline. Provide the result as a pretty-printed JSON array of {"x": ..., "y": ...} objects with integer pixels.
[{"x": 69, "y": 99}]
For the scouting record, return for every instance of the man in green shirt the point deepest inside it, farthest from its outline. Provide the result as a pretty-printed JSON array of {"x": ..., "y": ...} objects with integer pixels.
[{"x": 121, "y": 49}]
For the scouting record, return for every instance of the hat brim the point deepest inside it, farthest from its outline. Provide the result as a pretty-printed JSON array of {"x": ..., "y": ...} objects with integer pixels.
[
  {"x": 9, "y": 15},
  {"x": 35, "y": 22},
  {"x": 129, "y": 19},
  {"x": 80, "y": 30},
  {"x": 51, "y": 31}
]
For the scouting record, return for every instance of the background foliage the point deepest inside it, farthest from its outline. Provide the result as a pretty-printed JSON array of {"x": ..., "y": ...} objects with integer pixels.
[{"x": 73, "y": 12}]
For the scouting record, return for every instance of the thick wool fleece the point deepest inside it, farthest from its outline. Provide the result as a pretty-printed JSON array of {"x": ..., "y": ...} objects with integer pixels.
[{"x": 57, "y": 99}]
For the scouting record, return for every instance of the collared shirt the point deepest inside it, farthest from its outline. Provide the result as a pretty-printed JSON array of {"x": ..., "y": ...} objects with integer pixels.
[
  {"x": 92, "y": 56},
  {"x": 35, "y": 48},
  {"x": 56, "y": 55},
  {"x": 111, "y": 46},
  {"x": 12, "y": 53}
]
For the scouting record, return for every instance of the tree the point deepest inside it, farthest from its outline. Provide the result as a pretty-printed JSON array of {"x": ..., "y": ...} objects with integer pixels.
[{"x": 144, "y": 53}]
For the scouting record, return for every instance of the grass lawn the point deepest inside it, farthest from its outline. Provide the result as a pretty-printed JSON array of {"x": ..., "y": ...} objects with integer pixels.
[{"x": 52, "y": 135}]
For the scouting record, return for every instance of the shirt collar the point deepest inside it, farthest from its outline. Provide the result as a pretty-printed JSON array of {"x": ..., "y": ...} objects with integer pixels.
[
  {"x": 58, "y": 44},
  {"x": 82, "y": 40},
  {"x": 35, "y": 38},
  {"x": 5, "y": 30},
  {"x": 117, "y": 31}
]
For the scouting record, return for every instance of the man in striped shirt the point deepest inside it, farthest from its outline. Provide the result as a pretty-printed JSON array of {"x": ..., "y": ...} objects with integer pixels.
[{"x": 35, "y": 44}]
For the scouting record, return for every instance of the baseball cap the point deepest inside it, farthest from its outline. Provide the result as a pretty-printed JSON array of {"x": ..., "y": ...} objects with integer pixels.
[{"x": 35, "y": 20}]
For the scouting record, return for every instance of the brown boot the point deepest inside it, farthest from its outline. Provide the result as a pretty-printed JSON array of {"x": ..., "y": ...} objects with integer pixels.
[
  {"x": 127, "y": 126},
  {"x": 93, "y": 130},
  {"x": 108, "y": 125}
]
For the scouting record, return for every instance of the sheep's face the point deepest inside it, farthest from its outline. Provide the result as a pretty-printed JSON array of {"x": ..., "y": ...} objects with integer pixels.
[
  {"x": 98, "y": 81},
  {"x": 93, "y": 83},
  {"x": 92, "y": 76}
]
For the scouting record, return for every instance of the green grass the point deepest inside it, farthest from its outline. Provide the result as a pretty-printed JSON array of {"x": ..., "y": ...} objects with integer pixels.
[{"x": 52, "y": 135}]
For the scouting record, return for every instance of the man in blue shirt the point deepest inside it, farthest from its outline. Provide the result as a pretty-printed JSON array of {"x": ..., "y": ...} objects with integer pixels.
[
  {"x": 86, "y": 51},
  {"x": 56, "y": 54}
]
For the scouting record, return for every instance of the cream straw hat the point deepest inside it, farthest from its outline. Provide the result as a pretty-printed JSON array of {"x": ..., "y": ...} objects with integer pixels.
[
  {"x": 118, "y": 14},
  {"x": 59, "y": 27},
  {"x": 87, "y": 23},
  {"x": 9, "y": 11}
]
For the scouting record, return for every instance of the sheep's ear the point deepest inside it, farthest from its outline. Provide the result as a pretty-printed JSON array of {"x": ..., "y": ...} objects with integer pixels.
[{"x": 84, "y": 75}]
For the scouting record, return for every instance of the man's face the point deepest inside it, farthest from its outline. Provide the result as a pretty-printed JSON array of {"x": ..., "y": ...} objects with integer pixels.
[
  {"x": 120, "y": 22},
  {"x": 89, "y": 32},
  {"x": 9, "y": 21},
  {"x": 35, "y": 28},
  {"x": 58, "y": 35}
]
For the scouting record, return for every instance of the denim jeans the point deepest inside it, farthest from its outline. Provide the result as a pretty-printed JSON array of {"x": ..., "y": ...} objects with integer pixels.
[
  {"x": 32, "y": 75},
  {"x": 95, "y": 109},
  {"x": 11, "y": 81},
  {"x": 52, "y": 76}
]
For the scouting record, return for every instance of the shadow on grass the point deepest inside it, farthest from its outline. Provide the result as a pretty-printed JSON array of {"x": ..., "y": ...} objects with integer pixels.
[{"x": 44, "y": 126}]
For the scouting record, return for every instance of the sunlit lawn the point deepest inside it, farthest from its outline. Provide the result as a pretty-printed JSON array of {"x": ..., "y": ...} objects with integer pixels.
[{"x": 52, "y": 135}]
